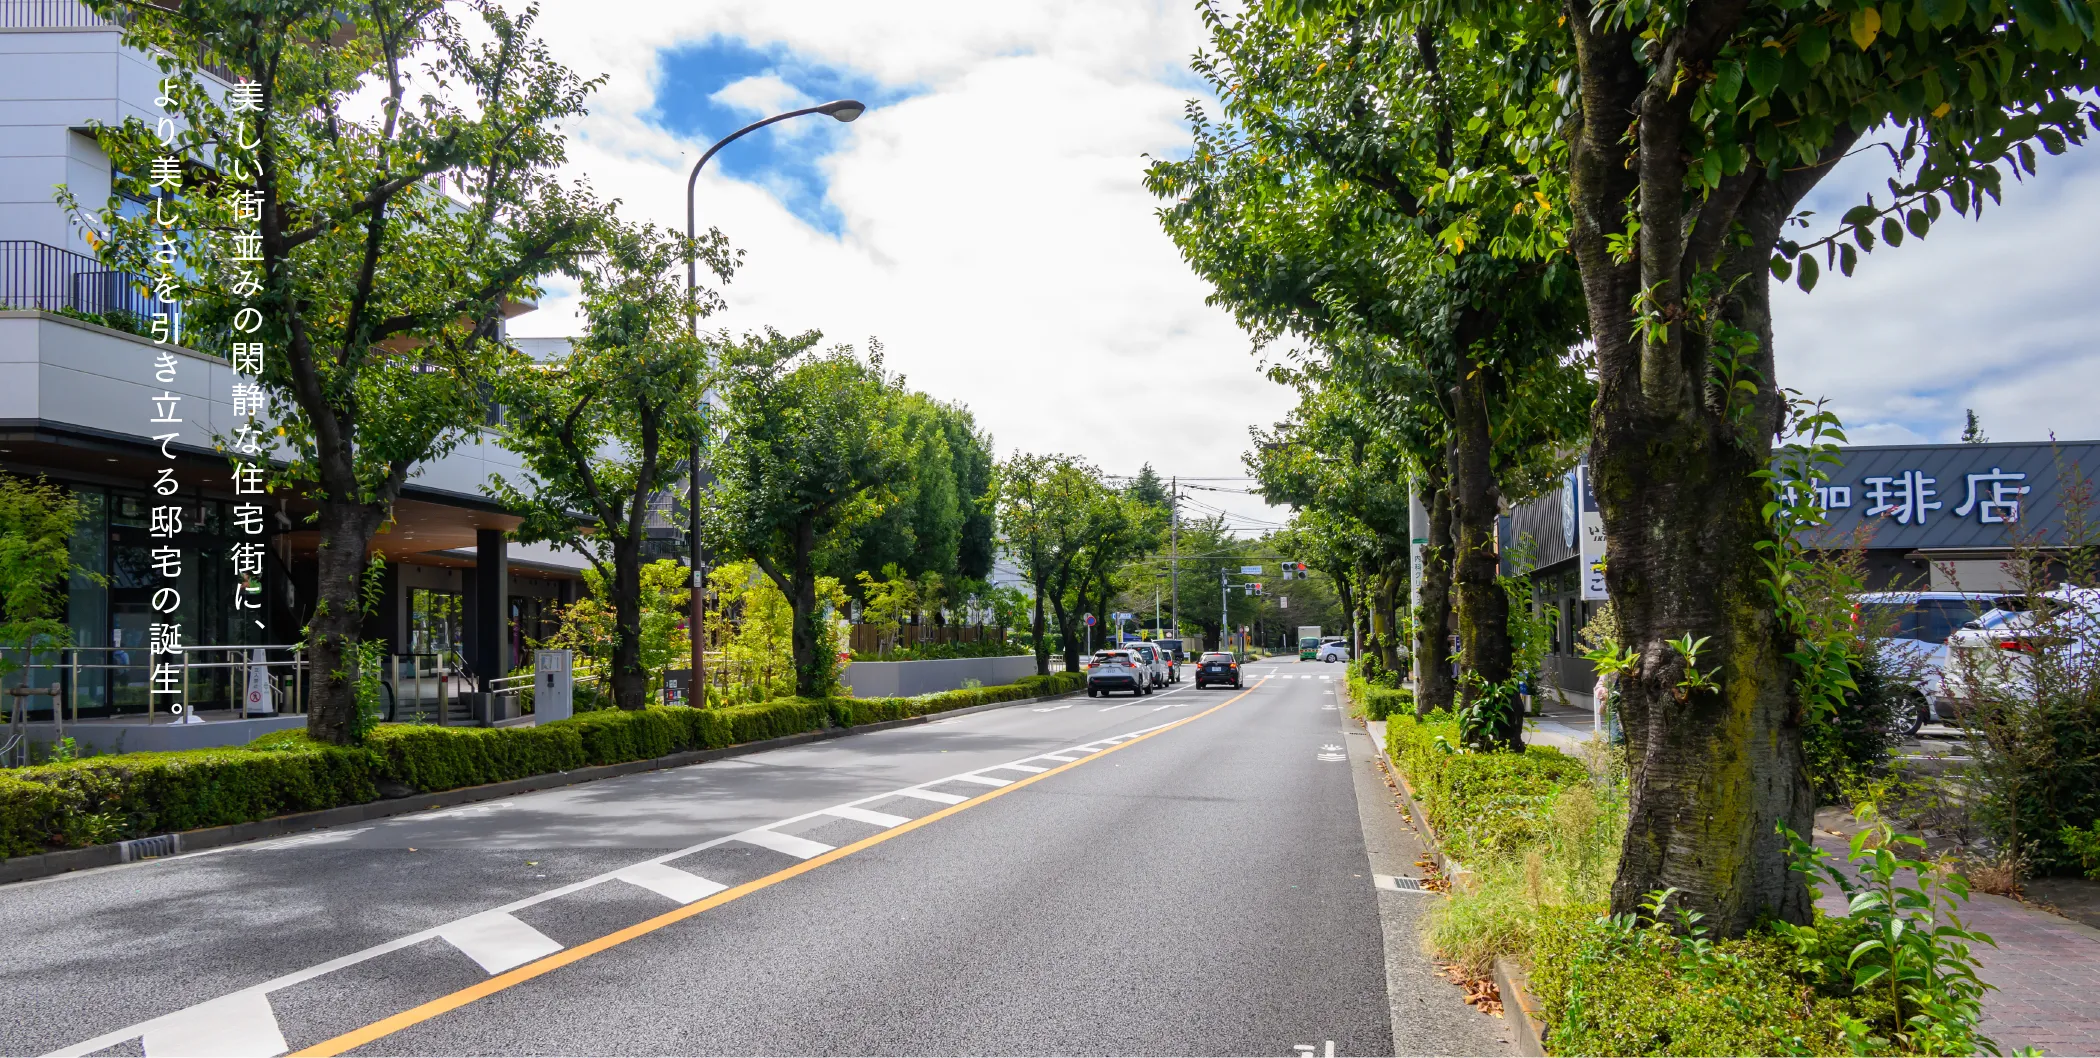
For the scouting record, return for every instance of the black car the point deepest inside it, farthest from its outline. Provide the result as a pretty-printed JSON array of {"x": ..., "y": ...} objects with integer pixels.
[{"x": 1219, "y": 669}]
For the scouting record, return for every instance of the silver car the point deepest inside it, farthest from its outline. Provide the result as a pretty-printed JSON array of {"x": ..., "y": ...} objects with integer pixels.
[
  {"x": 1910, "y": 630},
  {"x": 1156, "y": 663}
]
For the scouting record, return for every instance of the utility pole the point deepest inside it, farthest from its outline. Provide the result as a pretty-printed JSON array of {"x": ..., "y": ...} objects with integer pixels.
[
  {"x": 1174, "y": 559},
  {"x": 1224, "y": 612}
]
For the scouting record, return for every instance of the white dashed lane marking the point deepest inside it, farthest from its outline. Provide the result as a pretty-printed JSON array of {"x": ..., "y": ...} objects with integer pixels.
[
  {"x": 244, "y": 1023},
  {"x": 667, "y": 881},
  {"x": 800, "y": 848},
  {"x": 880, "y": 819},
  {"x": 930, "y": 795},
  {"x": 498, "y": 941}
]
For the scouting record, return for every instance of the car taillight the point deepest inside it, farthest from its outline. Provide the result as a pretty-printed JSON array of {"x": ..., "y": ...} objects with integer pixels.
[{"x": 2016, "y": 645}]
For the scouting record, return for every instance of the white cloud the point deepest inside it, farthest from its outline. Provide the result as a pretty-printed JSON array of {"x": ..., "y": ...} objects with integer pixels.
[
  {"x": 995, "y": 234},
  {"x": 1998, "y": 315},
  {"x": 761, "y": 95}
]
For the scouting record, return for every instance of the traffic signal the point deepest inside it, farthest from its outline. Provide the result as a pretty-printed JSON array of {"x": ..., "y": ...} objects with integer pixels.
[{"x": 1254, "y": 589}]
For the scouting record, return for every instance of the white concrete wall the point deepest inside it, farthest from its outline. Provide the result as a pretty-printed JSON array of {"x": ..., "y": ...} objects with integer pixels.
[
  {"x": 69, "y": 373},
  {"x": 907, "y": 679},
  {"x": 54, "y": 85}
]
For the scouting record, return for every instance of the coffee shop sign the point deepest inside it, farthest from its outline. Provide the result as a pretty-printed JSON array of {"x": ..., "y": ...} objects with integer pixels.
[{"x": 1911, "y": 496}]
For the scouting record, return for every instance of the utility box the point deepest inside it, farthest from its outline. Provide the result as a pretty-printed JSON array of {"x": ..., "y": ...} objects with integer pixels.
[{"x": 553, "y": 685}]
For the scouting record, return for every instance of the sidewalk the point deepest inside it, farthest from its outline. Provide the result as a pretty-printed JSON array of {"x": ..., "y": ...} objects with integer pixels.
[{"x": 2046, "y": 967}]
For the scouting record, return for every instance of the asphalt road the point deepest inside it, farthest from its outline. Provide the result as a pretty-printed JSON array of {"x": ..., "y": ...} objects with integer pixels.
[{"x": 1185, "y": 873}]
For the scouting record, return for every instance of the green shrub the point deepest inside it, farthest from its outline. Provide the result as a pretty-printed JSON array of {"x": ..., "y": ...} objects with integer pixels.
[
  {"x": 616, "y": 736},
  {"x": 430, "y": 758},
  {"x": 134, "y": 794},
  {"x": 848, "y": 712},
  {"x": 716, "y": 728},
  {"x": 1482, "y": 805},
  {"x": 1608, "y": 987},
  {"x": 33, "y": 815}
]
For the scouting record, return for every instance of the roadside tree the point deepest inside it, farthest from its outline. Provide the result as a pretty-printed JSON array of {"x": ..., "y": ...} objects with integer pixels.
[
  {"x": 399, "y": 218},
  {"x": 808, "y": 452},
  {"x": 600, "y": 429}
]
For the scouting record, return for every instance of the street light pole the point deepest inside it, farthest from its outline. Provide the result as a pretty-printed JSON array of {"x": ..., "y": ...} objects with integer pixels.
[{"x": 842, "y": 110}]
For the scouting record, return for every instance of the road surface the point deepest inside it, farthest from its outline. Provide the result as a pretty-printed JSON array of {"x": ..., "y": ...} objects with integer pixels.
[{"x": 1184, "y": 873}]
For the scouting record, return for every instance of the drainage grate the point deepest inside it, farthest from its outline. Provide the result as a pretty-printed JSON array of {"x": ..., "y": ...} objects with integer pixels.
[
  {"x": 1400, "y": 883},
  {"x": 148, "y": 848}
]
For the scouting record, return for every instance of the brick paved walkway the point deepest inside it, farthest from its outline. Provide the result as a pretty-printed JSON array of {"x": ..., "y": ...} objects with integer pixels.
[{"x": 2046, "y": 967}]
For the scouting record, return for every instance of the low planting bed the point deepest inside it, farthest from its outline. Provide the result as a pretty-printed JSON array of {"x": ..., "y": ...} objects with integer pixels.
[
  {"x": 98, "y": 800},
  {"x": 1540, "y": 836}
]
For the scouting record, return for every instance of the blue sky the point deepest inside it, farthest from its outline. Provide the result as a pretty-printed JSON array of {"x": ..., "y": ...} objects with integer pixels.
[{"x": 712, "y": 88}]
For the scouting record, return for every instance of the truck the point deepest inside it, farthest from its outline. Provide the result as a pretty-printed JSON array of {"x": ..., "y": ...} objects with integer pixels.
[{"x": 1308, "y": 642}]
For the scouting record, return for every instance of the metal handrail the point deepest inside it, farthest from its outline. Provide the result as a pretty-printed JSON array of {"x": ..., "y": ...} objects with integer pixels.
[{"x": 70, "y": 662}]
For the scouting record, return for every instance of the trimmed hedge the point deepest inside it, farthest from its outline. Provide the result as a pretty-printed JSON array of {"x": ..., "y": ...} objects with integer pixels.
[
  {"x": 850, "y": 712},
  {"x": 132, "y": 794},
  {"x": 1479, "y": 803},
  {"x": 1375, "y": 702},
  {"x": 110, "y": 798}
]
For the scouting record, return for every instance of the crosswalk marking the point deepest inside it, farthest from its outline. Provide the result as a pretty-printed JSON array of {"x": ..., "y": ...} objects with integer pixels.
[
  {"x": 929, "y": 795},
  {"x": 667, "y": 881},
  {"x": 1053, "y": 756},
  {"x": 800, "y": 848},
  {"x": 984, "y": 780},
  {"x": 498, "y": 941},
  {"x": 1020, "y": 767},
  {"x": 862, "y": 815}
]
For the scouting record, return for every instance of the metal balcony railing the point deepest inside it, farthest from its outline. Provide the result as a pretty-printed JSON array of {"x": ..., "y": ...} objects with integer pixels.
[{"x": 35, "y": 275}]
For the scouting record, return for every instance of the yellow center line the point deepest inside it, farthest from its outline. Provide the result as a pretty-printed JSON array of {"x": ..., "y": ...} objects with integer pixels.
[{"x": 417, "y": 1015}]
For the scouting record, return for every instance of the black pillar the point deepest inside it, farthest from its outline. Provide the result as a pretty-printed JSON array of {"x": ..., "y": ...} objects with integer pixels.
[{"x": 488, "y": 623}]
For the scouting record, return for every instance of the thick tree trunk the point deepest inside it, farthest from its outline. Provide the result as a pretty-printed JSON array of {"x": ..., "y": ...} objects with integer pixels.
[
  {"x": 630, "y": 681},
  {"x": 1714, "y": 772},
  {"x": 1434, "y": 686},
  {"x": 346, "y": 533},
  {"x": 1385, "y": 611},
  {"x": 1483, "y": 607},
  {"x": 1042, "y": 637}
]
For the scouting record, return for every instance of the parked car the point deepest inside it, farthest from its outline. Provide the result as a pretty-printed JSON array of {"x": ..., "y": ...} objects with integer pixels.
[
  {"x": 1110, "y": 671},
  {"x": 1218, "y": 668},
  {"x": 1155, "y": 663},
  {"x": 1333, "y": 652},
  {"x": 1997, "y": 650},
  {"x": 1910, "y": 629}
]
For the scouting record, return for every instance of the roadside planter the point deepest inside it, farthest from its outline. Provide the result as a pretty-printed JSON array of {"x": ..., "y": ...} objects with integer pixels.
[{"x": 909, "y": 679}]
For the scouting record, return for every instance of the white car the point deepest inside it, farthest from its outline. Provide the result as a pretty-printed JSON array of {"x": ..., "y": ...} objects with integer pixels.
[
  {"x": 1910, "y": 629},
  {"x": 1333, "y": 652},
  {"x": 1156, "y": 662},
  {"x": 1997, "y": 650},
  {"x": 1109, "y": 671}
]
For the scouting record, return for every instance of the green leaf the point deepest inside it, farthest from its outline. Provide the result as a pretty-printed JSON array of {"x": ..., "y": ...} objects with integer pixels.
[
  {"x": 1782, "y": 268},
  {"x": 1865, "y": 237},
  {"x": 1728, "y": 80},
  {"x": 1814, "y": 44},
  {"x": 1917, "y": 222},
  {"x": 1807, "y": 281},
  {"x": 1892, "y": 231},
  {"x": 1847, "y": 258},
  {"x": 1944, "y": 13},
  {"x": 1764, "y": 67},
  {"x": 1861, "y": 215}
]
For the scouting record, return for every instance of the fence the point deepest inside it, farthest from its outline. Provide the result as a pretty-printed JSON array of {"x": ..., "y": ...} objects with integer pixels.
[
  {"x": 871, "y": 639},
  {"x": 35, "y": 275},
  {"x": 49, "y": 14}
]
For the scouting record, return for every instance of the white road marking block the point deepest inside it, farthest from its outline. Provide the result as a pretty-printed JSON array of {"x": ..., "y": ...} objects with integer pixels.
[
  {"x": 984, "y": 780},
  {"x": 326, "y": 837},
  {"x": 1020, "y": 767},
  {"x": 862, "y": 815},
  {"x": 498, "y": 941},
  {"x": 1052, "y": 708},
  {"x": 929, "y": 795},
  {"x": 800, "y": 848},
  {"x": 1053, "y": 756},
  {"x": 668, "y": 881},
  {"x": 240, "y": 1025}
]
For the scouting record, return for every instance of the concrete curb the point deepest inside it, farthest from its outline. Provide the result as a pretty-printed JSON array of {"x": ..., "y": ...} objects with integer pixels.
[
  {"x": 1519, "y": 1009},
  {"x": 47, "y": 864}
]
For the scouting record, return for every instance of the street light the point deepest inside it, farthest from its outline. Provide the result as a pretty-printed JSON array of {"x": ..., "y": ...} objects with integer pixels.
[{"x": 842, "y": 110}]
